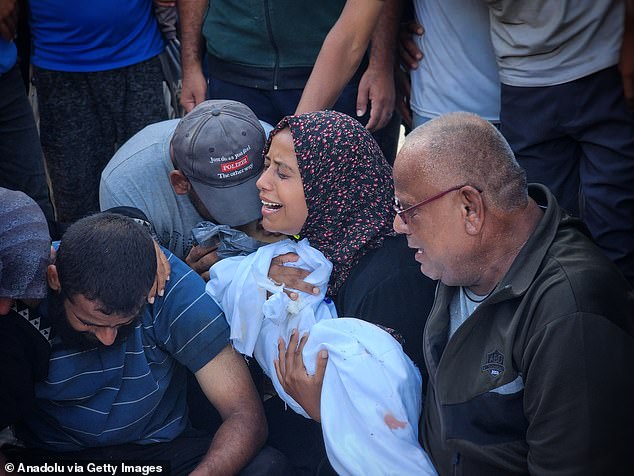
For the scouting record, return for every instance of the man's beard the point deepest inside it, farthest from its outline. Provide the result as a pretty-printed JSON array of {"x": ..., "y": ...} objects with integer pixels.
[{"x": 77, "y": 339}]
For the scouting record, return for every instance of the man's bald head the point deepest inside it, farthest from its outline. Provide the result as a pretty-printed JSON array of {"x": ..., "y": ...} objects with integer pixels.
[{"x": 462, "y": 148}]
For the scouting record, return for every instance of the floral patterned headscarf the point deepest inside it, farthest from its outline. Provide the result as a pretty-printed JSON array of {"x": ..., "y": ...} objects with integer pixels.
[{"x": 347, "y": 185}]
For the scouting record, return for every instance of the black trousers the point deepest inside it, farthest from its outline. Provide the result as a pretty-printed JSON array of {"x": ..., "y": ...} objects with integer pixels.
[
  {"x": 85, "y": 118},
  {"x": 21, "y": 161},
  {"x": 577, "y": 138}
]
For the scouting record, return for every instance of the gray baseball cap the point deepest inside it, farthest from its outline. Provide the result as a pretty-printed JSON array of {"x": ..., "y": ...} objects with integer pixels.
[{"x": 218, "y": 146}]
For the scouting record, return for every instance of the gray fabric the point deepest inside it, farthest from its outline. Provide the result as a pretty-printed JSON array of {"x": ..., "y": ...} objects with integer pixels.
[
  {"x": 548, "y": 42},
  {"x": 460, "y": 309},
  {"x": 230, "y": 242},
  {"x": 25, "y": 247}
]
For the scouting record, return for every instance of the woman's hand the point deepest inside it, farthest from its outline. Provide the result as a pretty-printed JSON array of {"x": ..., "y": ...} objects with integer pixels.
[
  {"x": 163, "y": 270},
  {"x": 290, "y": 276},
  {"x": 291, "y": 372}
]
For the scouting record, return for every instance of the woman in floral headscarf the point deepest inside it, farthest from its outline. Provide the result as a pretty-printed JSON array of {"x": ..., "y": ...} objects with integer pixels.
[{"x": 326, "y": 179}]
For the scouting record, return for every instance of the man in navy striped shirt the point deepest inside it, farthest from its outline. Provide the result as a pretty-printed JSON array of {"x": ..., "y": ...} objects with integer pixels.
[{"x": 115, "y": 388}]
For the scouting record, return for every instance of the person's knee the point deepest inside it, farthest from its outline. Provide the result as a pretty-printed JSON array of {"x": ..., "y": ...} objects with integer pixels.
[{"x": 268, "y": 461}]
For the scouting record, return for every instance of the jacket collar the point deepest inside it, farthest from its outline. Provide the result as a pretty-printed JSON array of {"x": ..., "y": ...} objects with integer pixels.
[{"x": 527, "y": 263}]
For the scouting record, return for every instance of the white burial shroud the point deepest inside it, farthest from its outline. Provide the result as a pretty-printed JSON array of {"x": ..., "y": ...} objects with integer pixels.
[{"x": 371, "y": 394}]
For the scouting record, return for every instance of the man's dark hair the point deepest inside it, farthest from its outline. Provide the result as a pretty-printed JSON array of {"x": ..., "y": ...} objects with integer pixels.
[{"x": 107, "y": 258}]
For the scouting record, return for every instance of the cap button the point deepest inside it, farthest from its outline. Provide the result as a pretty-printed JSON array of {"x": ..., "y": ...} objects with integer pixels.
[{"x": 215, "y": 111}]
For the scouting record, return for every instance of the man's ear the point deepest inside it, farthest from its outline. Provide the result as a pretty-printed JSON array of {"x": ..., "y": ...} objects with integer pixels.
[
  {"x": 180, "y": 183},
  {"x": 472, "y": 210},
  {"x": 53, "y": 278}
]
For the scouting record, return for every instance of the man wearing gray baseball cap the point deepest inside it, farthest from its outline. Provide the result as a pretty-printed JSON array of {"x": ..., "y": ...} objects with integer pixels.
[{"x": 182, "y": 172}]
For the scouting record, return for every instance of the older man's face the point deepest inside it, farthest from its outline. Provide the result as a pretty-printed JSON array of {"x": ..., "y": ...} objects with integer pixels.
[{"x": 435, "y": 230}]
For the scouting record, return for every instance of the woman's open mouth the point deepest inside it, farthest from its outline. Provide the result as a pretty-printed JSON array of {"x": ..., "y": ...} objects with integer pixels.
[{"x": 270, "y": 207}]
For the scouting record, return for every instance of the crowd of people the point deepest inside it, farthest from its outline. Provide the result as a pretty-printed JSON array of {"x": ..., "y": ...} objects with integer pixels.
[{"x": 483, "y": 271}]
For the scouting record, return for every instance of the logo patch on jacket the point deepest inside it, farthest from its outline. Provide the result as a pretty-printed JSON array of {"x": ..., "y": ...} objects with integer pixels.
[{"x": 494, "y": 363}]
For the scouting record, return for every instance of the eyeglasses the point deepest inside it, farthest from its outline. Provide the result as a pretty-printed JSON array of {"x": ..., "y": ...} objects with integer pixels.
[{"x": 403, "y": 213}]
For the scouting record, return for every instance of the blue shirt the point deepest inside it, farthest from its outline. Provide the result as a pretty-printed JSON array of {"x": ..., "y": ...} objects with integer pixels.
[
  {"x": 8, "y": 55},
  {"x": 85, "y": 36},
  {"x": 133, "y": 391}
]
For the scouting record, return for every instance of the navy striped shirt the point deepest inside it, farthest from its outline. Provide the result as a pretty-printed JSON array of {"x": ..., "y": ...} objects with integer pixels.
[{"x": 133, "y": 391}]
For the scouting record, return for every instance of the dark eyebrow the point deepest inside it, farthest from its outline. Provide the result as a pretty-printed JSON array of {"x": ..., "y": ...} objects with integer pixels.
[
  {"x": 88, "y": 323},
  {"x": 282, "y": 165}
]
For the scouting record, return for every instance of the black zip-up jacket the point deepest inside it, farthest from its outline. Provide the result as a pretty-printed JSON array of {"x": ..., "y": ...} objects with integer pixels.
[{"x": 540, "y": 378}]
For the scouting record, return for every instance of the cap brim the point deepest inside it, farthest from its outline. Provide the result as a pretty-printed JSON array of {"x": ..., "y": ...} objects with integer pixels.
[{"x": 233, "y": 206}]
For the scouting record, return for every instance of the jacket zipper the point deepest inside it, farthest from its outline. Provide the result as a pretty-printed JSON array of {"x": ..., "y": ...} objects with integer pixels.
[
  {"x": 456, "y": 464},
  {"x": 269, "y": 28}
]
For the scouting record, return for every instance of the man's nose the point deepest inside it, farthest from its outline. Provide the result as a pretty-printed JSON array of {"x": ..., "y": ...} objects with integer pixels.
[
  {"x": 399, "y": 225},
  {"x": 106, "y": 335}
]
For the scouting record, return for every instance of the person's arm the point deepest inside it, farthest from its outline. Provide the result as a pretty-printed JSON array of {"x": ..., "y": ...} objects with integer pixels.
[
  {"x": 191, "y": 15},
  {"x": 578, "y": 396},
  {"x": 377, "y": 83},
  {"x": 227, "y": 384},
  {"x": 626, "y": 63},
  {"x": 409, "y": 58},
  {"x": 340, "y": 54},
  {"x": 8, "y": 19}
]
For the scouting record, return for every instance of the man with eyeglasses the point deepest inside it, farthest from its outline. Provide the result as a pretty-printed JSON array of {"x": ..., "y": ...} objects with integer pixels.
[{"x": 529, "y": 345}]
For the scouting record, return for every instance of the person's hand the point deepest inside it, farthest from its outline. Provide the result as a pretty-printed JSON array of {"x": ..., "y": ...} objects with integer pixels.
[
  {"x": 290, "y": 276},
  {"x": 194, "y": 90},
  {"x": 201, "y": 258},
  {"x": 377, "y": 87},
  {"x": 409, "y": 52},
  {"x": 8, "y": 19},
  {"x": 403, "y": 93},
  {"x": 291, "y": 372},
  {"x": 163, "y": 270}
]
